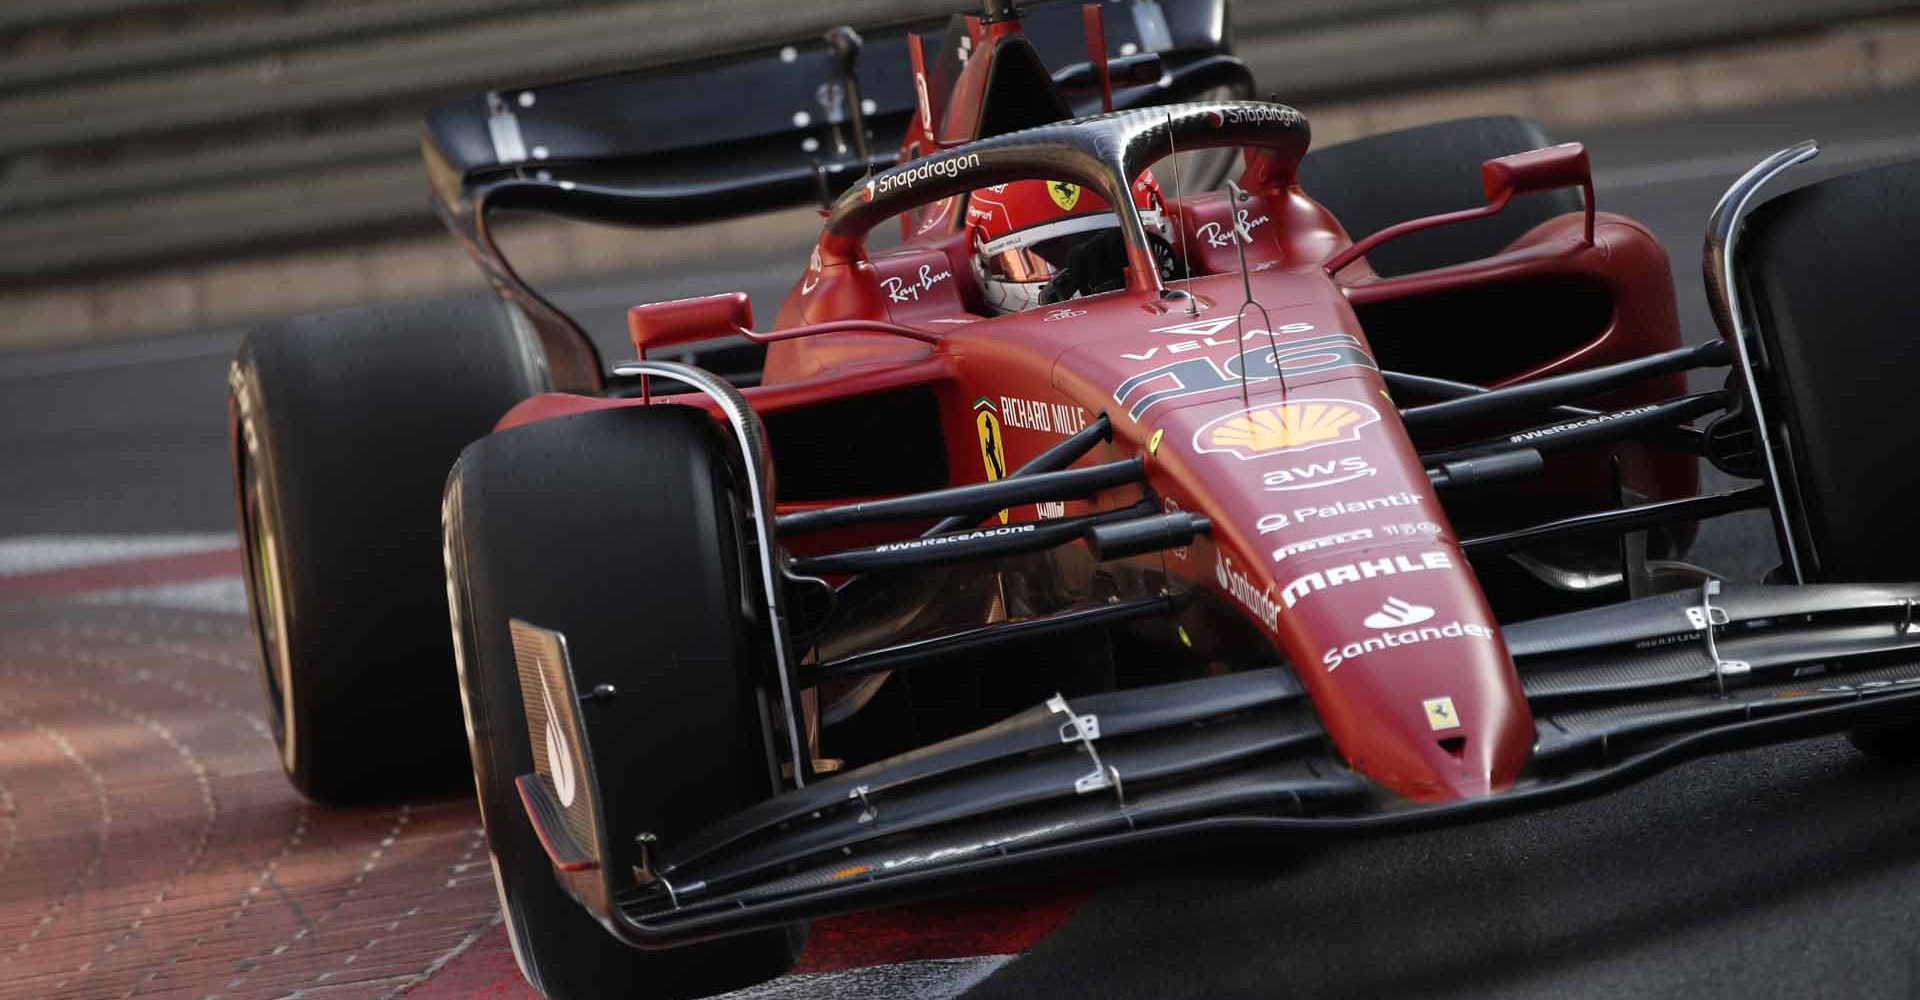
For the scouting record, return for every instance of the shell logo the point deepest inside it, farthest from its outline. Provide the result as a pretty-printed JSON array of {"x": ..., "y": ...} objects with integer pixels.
[{"x": 1291, "y": 426}]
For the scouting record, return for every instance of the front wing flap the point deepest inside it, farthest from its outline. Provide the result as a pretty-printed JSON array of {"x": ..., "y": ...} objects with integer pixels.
[{"x": 1642, "y": 690}]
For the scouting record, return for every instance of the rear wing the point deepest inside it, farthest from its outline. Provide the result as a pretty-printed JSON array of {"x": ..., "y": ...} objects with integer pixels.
[{"x": 770, "y": 128}]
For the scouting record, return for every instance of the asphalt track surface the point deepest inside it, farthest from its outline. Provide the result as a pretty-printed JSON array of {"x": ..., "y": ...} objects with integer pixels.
[{"x": 148, "y": 846}]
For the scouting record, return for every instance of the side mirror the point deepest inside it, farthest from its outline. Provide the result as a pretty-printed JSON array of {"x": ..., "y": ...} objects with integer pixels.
[
  {"x": 681, "y": 321},
  {"x": 1559, "y": 166},
  {"x": 1503, "y": 177}
]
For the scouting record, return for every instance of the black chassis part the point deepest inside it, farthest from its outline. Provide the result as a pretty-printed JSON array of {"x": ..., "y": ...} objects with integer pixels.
[{"x": 645, "y": 926}]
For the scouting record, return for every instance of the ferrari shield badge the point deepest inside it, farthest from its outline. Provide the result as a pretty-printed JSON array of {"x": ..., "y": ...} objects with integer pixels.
[
  {"x": 1064, "y": 194},
  {"x": 993, "y": 455},
  {"x": 1440, "y": 714}
]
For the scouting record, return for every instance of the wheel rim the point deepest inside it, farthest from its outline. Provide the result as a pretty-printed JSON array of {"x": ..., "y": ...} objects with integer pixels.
[{"x": 269, "y": 612}]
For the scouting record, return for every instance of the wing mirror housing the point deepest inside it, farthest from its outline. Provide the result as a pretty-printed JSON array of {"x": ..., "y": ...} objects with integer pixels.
[
  {"x": 1545, "y": 169},
  {"x": 683, "y": 321}
]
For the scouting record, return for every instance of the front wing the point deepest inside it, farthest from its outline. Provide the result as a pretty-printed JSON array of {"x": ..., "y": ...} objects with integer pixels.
[{"x": 1618, "y": 693}]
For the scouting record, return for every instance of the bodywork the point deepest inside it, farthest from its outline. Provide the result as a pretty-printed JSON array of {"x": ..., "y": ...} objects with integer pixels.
[{"x": 1336, "y": 575}]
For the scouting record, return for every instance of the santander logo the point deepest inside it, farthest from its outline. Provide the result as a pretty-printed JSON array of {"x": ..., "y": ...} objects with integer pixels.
[{"x": 1397, "y": 613}]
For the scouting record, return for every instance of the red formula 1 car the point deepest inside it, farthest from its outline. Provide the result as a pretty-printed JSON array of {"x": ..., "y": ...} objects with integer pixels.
[{"x": 1108, "y": 506}]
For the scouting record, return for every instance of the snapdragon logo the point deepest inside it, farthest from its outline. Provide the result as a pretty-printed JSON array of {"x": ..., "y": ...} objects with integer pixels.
[{"x": 906, "y": 178}]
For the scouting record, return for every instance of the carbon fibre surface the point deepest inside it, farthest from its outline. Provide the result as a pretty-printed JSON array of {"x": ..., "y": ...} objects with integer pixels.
[
  {"x": 1609, "y": 729},
  {"x": 1119, "y": 712},
  {"x": 1026, "y": 781},
  {"x": 1666, "y": 614}
]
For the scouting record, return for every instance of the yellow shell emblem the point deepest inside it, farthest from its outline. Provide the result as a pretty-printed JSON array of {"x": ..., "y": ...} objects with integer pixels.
[
  {"x": 1290, "y": 426},
  {"x": 1064, "y": 194}
]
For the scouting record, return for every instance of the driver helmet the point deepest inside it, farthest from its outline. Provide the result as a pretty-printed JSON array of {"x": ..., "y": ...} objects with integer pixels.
[{"x": 1039, "y": 242}]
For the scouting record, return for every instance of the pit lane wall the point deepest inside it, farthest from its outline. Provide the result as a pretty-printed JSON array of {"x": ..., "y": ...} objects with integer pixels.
[{"x": 167, "y": 164}]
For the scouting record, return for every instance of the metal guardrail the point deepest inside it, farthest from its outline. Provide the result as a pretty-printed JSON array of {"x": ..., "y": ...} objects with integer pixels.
[{"x": 195, "y": 143}]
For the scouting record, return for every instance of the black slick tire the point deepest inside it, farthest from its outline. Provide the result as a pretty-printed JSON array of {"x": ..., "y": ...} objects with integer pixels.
[
  {"x": 1829, "y": 268},
  {"x": 621, "y": 529},
  {"x": 343, "y": 427}
]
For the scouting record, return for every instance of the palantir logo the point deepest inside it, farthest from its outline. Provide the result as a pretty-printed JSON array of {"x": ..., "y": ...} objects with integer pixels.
[
  {"x": 559, "y": 759},
  {"x": 1397, "y": 613}
]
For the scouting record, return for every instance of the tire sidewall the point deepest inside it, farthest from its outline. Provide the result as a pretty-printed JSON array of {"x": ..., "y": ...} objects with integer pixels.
[
  {"x": 361, "y": 608},
  {"x": 559, "y": 947}
]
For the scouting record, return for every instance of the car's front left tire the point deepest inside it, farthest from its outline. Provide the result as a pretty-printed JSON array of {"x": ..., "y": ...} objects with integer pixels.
[
  {"x": 1828, "y": 273},
  {"x": 623, "y": 530}
]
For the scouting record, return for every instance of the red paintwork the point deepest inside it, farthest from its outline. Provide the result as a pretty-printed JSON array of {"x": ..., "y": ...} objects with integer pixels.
[{"x": 1376, "y": 538}]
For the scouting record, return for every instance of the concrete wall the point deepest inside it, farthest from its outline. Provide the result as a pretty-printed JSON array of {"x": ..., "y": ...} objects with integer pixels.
[{"x": 176, "y": 163}]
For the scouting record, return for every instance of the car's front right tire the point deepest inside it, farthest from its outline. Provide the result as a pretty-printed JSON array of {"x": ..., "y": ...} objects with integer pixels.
[
  {"x": 623, "y": 530},
  {"x": 343, "y": 427}
]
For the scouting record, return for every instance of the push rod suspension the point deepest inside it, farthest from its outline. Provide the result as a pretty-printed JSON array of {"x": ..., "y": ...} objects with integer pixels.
[
  {"x": 1582, "y": 432},
  {"x": 992, "y": 496},
  {"x": 1624, "y": 519},
  {"x": 1531, "y": 396}
]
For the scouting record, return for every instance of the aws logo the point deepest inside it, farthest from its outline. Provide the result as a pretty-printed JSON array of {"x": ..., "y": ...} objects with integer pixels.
[
  {"x": 1312, "y": 475},
  {"x": 1295, "y": 425}
]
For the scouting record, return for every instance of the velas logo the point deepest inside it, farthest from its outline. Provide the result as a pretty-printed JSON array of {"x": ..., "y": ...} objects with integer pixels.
[
  {"x": 559, "y": 759},
  {"x": 1209, "y": 327},
  {"x": 1397, "y": 613},
  {"x": 1064, "y": 194},
  {"x": 1292, "y": 426},
  {"x": 1263, "y": 362}
]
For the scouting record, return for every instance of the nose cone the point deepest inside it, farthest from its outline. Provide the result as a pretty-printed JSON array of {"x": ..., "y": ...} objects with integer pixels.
[{"x": 1407, "y": 668}]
